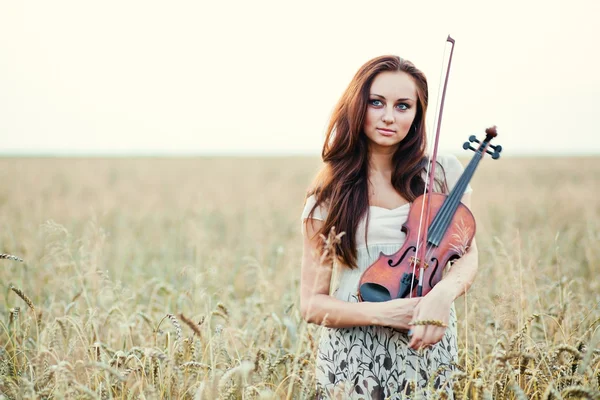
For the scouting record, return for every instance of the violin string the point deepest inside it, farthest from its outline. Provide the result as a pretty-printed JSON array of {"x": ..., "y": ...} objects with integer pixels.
[
  {"x": 446, "y": 211},
  {"x": 444, "y": 214}
]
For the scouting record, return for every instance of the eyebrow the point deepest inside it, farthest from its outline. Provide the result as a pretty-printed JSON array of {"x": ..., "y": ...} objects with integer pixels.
[{"x": 401, "y": 99}]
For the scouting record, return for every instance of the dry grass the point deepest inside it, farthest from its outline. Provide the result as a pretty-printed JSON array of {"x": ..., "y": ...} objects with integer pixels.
[{"x": 179, "y": 278}]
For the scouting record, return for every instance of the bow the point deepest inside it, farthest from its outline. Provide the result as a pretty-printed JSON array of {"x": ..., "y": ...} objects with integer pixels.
[{"x": 426, "y": 208}]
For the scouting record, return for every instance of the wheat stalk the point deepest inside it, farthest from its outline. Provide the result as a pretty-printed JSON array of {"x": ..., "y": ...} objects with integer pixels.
[
  {"x": 193, "y": 326},
  {"x": 580, "y": 392},
  {"x": 330, "y": 243},
  {"x": 10, "y": 257},
  {"x": 22, "y": 295},
  {"x": 13, "y": 315}
]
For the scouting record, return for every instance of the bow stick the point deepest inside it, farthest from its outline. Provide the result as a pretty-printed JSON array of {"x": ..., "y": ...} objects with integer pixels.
[{"x": 425, "y": 211}]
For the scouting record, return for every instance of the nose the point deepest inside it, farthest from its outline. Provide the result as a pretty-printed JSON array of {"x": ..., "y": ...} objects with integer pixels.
[{"x": 388, "y": 116}]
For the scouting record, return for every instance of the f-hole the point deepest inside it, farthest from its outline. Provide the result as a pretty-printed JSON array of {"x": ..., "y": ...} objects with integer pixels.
[
  {"x": 437, "y": 264},
  {"x": 402, "y": 257}
]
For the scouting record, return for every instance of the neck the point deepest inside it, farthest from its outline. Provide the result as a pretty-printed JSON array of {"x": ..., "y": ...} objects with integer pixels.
[{"x": 380, "y": 160}]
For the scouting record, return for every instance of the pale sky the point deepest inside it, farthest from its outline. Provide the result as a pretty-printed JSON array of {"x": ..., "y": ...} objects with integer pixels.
[{"x": 262, "y": 77}]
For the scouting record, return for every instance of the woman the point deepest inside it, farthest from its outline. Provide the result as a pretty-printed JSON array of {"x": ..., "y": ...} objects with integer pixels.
[{"x": 374, "y": 167}]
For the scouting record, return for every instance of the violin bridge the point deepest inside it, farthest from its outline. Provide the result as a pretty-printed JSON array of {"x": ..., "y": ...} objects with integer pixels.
[{"x": 415, "y": 261}]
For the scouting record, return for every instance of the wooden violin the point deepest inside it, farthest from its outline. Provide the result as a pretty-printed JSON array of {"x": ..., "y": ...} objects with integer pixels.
[{"x": 419, "y": 264}]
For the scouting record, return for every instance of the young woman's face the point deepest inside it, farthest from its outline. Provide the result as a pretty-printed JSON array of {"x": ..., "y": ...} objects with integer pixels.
[{"x": 391, "y": 108}]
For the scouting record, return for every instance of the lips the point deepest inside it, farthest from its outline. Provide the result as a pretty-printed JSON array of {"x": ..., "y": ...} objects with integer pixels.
[{"x": 385, "y": 132}]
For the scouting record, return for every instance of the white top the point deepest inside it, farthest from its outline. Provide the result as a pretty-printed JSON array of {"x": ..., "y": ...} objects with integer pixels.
[{"x": 385, "y": 224}]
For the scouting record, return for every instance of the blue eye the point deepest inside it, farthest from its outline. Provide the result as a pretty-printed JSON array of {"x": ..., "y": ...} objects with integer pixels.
[
  {"x": 403, "y": 106},
  {"x": 375, "y": 102}
]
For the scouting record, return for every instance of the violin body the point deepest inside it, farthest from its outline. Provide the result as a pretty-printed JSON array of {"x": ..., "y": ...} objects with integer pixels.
[{"x": 397, "y": 275}]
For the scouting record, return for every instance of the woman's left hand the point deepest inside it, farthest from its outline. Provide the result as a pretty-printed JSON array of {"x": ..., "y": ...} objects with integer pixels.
[{"x": 433, "y": 306}]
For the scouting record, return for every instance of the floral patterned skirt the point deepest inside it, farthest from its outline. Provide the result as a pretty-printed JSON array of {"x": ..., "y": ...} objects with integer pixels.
[{"x": 373, "y": 362}]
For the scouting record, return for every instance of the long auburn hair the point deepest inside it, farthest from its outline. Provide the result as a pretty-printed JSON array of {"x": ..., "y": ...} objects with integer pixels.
[{"x": 342, "y": 183}]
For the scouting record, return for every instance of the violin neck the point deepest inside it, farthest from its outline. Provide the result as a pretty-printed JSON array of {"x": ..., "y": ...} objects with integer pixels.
[
  {"x": 444, "y": 216},
  {"x": 465, "y": 178}
]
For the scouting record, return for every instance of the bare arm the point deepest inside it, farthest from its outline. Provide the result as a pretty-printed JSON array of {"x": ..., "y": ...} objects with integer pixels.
[{"x": 318, "y": 307}]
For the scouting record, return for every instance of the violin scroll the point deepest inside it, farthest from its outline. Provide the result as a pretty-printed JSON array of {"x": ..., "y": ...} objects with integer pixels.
[{"x": 490, "y": 133}]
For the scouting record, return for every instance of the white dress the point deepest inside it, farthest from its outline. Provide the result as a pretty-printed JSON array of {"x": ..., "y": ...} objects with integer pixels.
[{"x": 374, "y": 362}]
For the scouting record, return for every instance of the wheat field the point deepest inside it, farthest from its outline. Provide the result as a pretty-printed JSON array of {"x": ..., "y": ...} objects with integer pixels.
[{"x": 179, "y": 278}]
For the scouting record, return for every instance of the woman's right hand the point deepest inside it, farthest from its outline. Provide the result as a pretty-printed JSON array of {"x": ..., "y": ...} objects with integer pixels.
[{"x": 398, "y": 313}]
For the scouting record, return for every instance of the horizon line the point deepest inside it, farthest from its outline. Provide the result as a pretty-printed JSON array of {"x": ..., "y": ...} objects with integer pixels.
[{"x": 180, "y": 154}]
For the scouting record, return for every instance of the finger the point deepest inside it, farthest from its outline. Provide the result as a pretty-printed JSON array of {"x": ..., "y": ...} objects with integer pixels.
[
  {"x": 417, "y": 336},
  {"x": 426, "y": 338},
  {"x": 433, "y": 335},
  {"x": 436, "y": 334},
  {"x": 413, "y": 342},
  {"x": 415, "y": 345},
  {"x": 439, "y": 335},
  {"x": 424, "y": 347}
]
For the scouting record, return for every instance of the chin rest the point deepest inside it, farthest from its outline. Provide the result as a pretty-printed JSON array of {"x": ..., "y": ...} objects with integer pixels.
[{"x": 374, "y": 292}]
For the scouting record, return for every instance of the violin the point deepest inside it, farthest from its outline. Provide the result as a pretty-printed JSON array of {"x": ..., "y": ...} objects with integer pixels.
[{"x": 450, "y": 227}]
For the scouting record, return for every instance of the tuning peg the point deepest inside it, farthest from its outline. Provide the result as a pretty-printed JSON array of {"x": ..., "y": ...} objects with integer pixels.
[
  {"x": 495, "y": 155},
  {"x": 473, "y": 138},
  {"x": 497, "y": 148},
  {"x": 467, "y": 146}
]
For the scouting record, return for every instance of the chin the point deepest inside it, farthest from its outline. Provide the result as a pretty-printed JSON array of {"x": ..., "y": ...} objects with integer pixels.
[{"x": 388, "y": 142}]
